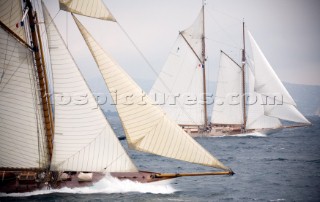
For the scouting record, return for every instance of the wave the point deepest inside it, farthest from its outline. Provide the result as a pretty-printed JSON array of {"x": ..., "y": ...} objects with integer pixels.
[{"x": 108, "y": 185}]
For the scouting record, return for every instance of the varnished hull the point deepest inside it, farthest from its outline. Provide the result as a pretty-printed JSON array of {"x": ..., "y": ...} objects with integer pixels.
[
  {"x": 9, "y": 182},
  {"x": 235, "y": 132}
]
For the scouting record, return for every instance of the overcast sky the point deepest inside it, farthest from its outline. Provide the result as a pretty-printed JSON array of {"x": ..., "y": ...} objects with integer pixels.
[{"x": 287, "y": 31}]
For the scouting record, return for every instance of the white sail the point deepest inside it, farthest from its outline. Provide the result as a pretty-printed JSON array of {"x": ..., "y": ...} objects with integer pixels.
[
  {"x": 83, "y": 140},
  {"x": 266, "y": 80},
  {"x": 22, "y": 136},
  {"x": 278, "y": 102},
  {"x": 256, "y": 117},
  {"x": 182, "y": 76},
  {"x": 227, "y": 107},
  {"x": 92, "y": 8},
  {"x": 194, "y": 35},
  {"x": 146, "y": 126},
  {"x": 286, "y": 112},
  {"x": 11, "y": 14}
]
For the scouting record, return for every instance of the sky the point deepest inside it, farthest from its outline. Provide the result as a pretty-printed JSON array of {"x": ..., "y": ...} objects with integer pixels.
[{"x": 287, "y": 31}]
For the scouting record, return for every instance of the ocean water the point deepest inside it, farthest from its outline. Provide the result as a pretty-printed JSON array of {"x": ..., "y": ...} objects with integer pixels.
[{"x": 284, "y": 166}]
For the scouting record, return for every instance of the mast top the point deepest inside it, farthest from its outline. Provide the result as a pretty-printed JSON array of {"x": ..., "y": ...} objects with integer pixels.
[{"x": 204, "y": 3}]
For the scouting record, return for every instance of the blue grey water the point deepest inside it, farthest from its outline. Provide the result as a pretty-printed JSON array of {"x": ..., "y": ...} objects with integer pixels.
[{"x": 284, "y": 166}]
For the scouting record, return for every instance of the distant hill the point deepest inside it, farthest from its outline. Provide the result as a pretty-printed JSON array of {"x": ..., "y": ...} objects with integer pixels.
[{"x": 307, "y": 97}]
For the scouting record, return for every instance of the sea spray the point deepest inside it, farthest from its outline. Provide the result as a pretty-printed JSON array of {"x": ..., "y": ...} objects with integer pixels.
[
  {"x": 107, "y": 185},
  {"x": 253, "y": 134}
]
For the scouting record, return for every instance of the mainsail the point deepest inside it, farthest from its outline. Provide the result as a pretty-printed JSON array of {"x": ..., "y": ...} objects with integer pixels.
[
  {"x": 84, "y": 140},
  {"x": 22, "y": 139},
  {"x": 146, "y": 126},
  {"x": 181, "y": 78},
  {"x": 227, "y": 107},
  {"x": 92, "y": 8}
]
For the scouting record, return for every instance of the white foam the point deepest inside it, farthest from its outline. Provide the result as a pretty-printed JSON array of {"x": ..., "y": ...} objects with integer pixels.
[
  {"x": 253, "y": 134},
  {"x": 108, "y": 185}
]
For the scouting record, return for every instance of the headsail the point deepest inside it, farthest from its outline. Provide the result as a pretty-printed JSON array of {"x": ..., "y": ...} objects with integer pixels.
[
  {"x": 256, "y": 117},
  {"x": 182, "y": 76},
  {"x": 22, "y": 136},
  {"x": 146, "y": 126},
  {"x": 227, "y": 107},
  {"x": 267, "y": 84},
  {"x": 92, "y": 8},
  {"x": 84, "y": 140},
  {"x": 11, "y": 16}
]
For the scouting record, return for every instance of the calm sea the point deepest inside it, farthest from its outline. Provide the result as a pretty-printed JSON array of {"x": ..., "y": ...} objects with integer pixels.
[{"x": 284, "y": 166}]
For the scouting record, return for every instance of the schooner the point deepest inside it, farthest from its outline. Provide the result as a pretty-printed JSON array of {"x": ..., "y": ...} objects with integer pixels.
[
  {"x": 249, "y": 97},
  {"x": 46, "y": 142},
  {"x": 261, "y": 99}
]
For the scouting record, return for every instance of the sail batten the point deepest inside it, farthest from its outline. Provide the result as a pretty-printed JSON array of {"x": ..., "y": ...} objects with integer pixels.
[
  {"x": 85, "y": 143},
  {"x": 160, "y": 135}
]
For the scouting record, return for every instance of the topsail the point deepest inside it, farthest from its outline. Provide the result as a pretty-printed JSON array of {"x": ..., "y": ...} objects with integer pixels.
[{"x": 92, "y": 8}]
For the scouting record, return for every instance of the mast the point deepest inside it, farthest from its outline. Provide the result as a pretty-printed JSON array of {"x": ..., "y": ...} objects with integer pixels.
[
  {"x": 43, "y": 83},
  {"x": 204, "y": 70},
  {"x": 243, "y": 78}
]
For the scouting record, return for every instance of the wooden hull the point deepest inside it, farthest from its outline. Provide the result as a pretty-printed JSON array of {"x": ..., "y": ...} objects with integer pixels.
[
  {"x": 15, "y": 182},
  {"x": 11, "y": 182},
  {"x": 235, "y": 132}
]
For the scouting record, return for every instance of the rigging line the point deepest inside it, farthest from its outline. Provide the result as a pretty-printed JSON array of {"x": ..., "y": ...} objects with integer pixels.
[
  {"x": 32, "y": 78},
  {"x": 19, "y": 66},
  {"x": 114, "y": 160},
  {"x": 228, "y": 15},
  {"x": 6, "y": 54},
  {"x": 182, "y": 110},
  {"x": 45, "y": 48},
  {"x": 216, "y": 41},
  {"x": 93, "y": 141},
  {"x": 43, "y": 32},
  {"x": 67, "y": 30},
  {"x": 140, "y": 52},
  {"x": 146, "y": 60},
  {"x": 23, "y": 59},
  {"x": 213, "y": 18}
]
